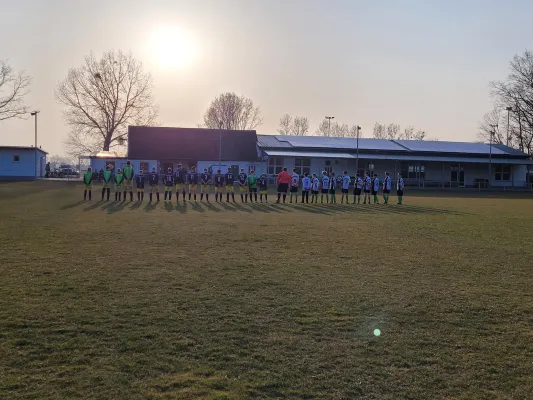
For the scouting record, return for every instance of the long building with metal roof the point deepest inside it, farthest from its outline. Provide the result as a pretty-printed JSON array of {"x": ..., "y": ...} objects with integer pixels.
[{"x": 422, "y": 163}]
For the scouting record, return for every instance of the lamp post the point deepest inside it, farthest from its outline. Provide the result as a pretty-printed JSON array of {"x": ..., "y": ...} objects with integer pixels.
[
  {"x": 220, "y": 145},
  {"x": 357, "y": 128},
  {"x": 34, "y": 114},
  {"x": 509, "y": 109},
  {"x": 492, "y": 133},
  {"x": 329, "y": 124}
]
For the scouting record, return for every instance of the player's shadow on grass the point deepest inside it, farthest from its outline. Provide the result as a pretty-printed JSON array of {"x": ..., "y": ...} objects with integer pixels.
[
  {"x": 211, "y": 207},
  {"x": 240, "y": 207},
  {"x": 197, "y": 207},
  {"x": 260, "y": 208},
  {"x": 311, "y": 208},
  {"x": 181, "y": 207},
  {"x": 72, "y": 205},
  {"x": 150, "y": 206},
  {"x": 115, "y": 207},
  {"x": 94, "y": 205},
  {"x": 169, "y": 206},
  {"x": 228, "y": 206},
  {"x": 136, "y": 205}
]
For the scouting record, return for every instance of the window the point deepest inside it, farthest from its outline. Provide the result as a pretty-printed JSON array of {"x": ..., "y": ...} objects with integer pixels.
[
  {"x": 275, "y": 165},
  {"x": 414, "y": 171},
  {"x": 16, "y": 158},
  {"x": 302, "y": 165},
  {"x": 502, "y": 172}
]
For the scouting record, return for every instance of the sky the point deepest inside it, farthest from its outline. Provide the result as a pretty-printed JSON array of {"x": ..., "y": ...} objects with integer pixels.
[{"x": 424, "y": 63}]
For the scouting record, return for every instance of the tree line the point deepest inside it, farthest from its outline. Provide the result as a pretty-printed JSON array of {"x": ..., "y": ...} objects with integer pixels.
[
  {"x": 103, "y": 96},
  {"x": 510, "y": 121}
]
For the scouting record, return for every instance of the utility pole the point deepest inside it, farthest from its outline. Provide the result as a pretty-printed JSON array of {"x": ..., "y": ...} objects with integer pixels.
[
  {"x": 509, "y": 109},
  {"x": 357, "y": 129},
  {"x": 220, "y": 145},
  {"x": 329, "y": 124},
  {"x": 34, "y": 114}
]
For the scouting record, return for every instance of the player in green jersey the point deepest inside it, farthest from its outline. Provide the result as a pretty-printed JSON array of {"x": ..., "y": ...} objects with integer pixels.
[
  {"x": 252, "y": 186},
  {"x": 128, "y": 180},
  {"x": 107, "y": 175},
  {"x": 88, "y": 180}
]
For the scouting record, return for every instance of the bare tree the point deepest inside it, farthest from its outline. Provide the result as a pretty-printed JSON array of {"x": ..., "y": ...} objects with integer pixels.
[
  {"x": 229, "y": 111},
  {"x": 323, "y": 128},
  {"x": 393, "y": 132},
  {"x": 517, "y": 92},
  {"x": 491, "y": 126},
  {"x": 102, "y": 98},
  {"x": 13, "y": 87},
  {"x": 285, "y": 125},
  {"x": 300, "y": 126}
]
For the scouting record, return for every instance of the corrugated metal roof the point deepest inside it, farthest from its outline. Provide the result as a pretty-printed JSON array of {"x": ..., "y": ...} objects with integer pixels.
[
  {"x": 397, "y": 157},
  {"x": 296, "y": 153},
  {"x": 22, "y": 148},
  {"x": 509, "y": 150},
  {"x": 341, "y": 143},
  {"x": 271, "y": 141},
  {"x": 452, "y": 147},
  {"x": 447, "y": 159}
]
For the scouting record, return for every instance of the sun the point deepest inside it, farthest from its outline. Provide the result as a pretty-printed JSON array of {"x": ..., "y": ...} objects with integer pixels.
[{"x": 172, "y": 47}]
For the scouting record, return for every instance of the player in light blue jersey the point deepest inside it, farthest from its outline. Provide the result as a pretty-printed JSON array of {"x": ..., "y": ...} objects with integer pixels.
[
  {"x": 345, "y": 186},
  {"x": 399, "y": 188},
  {"x": 325, "y": 187},
  {"x": 357, "y": 187},
  {"x": 367, "y": 182},
  {"x": 315, "y": 184},
  {"x": 387, "y": 184},
  {"x": 375, "y": 188},
  {"x": 306, "y": 187}
]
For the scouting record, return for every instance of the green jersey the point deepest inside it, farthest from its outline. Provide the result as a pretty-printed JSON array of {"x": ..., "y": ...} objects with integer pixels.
[
  {"x": 107, "y": 176},
  {"x": 128, "y": 172},
  {"x": 252, "y": 181},
  {"x": 118, "y": 179},
  {"x": 88, "y": 178}
]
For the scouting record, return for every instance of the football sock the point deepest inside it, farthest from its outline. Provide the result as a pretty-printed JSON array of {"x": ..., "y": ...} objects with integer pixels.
[
  {"x": 201, "y": 197},
  {"x": 189, "y": 196},
  {"x": 170, "y": 195},
  {"x": 108, "y": 193},
  {"x": 177, "y": 196},
  {"x": 266, "y": 197},
  {"x": 261, "y": 197},
  {"x": 207, "y": 197},
  {"x": 246, "y": 198},
  {"x": 233, "y": 197},
  {"x": 142, "y": 196},
  {"x": 195, "y": 197},
  {"x": 183, "y": 193},
  {"x": 242, "y": 198},
  {"x": 85, "y": 195},
  {"x": 284, "y": 197},
  {"x": 255, "y": 195},
  {"x": 150, "y": 196},
  {"x": 138, "y": 196},
  {"x": 227, "y": 197},
  {"x": 103, "y": 192},
  {"x": 90, "y": 194},
  {"x": 157, "y": 194},
  {"x": 279, "y": 196},
  {"x": 131, "y": 196},
  {"x": 124, "y": 198}
]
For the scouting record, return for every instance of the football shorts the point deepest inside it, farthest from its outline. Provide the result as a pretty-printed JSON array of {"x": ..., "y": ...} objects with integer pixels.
[
  {"x": 128, "y": 184},
  {"x": 218, "y": 189},
  {"x": 229, "y": 188},
  {"x": 331, "y": 191},
  {"x": 357, "y": 191},
  {"x": 263, "y": 191},
  {"x": 168, "y": 188},
  {"x": 294, "y": 189},
  {"x": 179, "y": 186},
  {"x": 192, "y": 187},
  {"x": 204, "y": 188},
  {"x": 140, "y": 190},
  {"x": 283, "y": 187},
  {"x": 154, "y": 188},
  {"x": 325, "y": 191},
  {"x": 344, "y": 191},
  {"x": 89, "y": 186},
  {"x": 243, "y": 189}
]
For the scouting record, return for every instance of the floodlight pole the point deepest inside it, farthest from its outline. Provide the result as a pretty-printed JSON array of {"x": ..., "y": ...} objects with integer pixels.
[
  {"x": 220, "y": 145},
  {"x": 357, "y": 128},
  {"x": 34, "y": 114},
  {"x": 329, "y": 124},
  {"x": 509, "y": 109},
  {"x": 490, "y": 160}
]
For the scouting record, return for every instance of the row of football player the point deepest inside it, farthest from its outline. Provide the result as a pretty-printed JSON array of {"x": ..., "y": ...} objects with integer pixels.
[{"x": 248, "y": 184}]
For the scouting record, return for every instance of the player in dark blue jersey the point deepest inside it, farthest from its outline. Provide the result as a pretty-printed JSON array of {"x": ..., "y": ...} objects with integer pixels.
[
  {"x": 139, "y": 182},
  {"x": 263, "y": 181},
  {"x": 243, "y": 185},
  {"x": 168, "y": 181},
  {"x": 192, "y": 179},
  {"x": 230, "y": 179},
  {"x": 179, "y": 180},
  {"x": 205, "y": 180},
  {"x": 219, "y": 184},
  {"x": 154, "y": 183}
]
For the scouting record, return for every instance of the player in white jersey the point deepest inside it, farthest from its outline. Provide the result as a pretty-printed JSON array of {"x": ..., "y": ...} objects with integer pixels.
[
  {"x": 367, "y": 182},
  {"x": 399, "y": 188},
  {"x": 358, "y": 186},
  {"x": 315, "y": 183},
  {"x": 375, "y": 188},
  {"x": 345, "y": 186},
  {"x": 332, "y": 188},
  {"x": 295, "y": 181},
  {"x": 387, "y": 185},
  {"x": 325, "y": 187},
  {"x": 306, "y": 187}
]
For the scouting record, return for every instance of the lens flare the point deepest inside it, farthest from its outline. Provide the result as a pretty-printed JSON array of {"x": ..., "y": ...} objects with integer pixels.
[{"x": 377, "y": 332}]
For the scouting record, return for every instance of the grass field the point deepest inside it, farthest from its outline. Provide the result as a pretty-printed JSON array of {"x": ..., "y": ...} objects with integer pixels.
[{"x": 121, "y": 301}]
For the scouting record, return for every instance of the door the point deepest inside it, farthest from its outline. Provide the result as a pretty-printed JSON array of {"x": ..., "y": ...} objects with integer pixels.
[{"x": 457, "y": 176}]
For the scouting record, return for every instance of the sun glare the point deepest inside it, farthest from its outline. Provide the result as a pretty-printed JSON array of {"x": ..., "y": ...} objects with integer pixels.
[{"x": 172, "y": 47}]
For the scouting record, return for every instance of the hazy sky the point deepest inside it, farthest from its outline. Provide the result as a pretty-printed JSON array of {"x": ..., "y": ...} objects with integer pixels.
[{"x": 420, "y": 62}]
